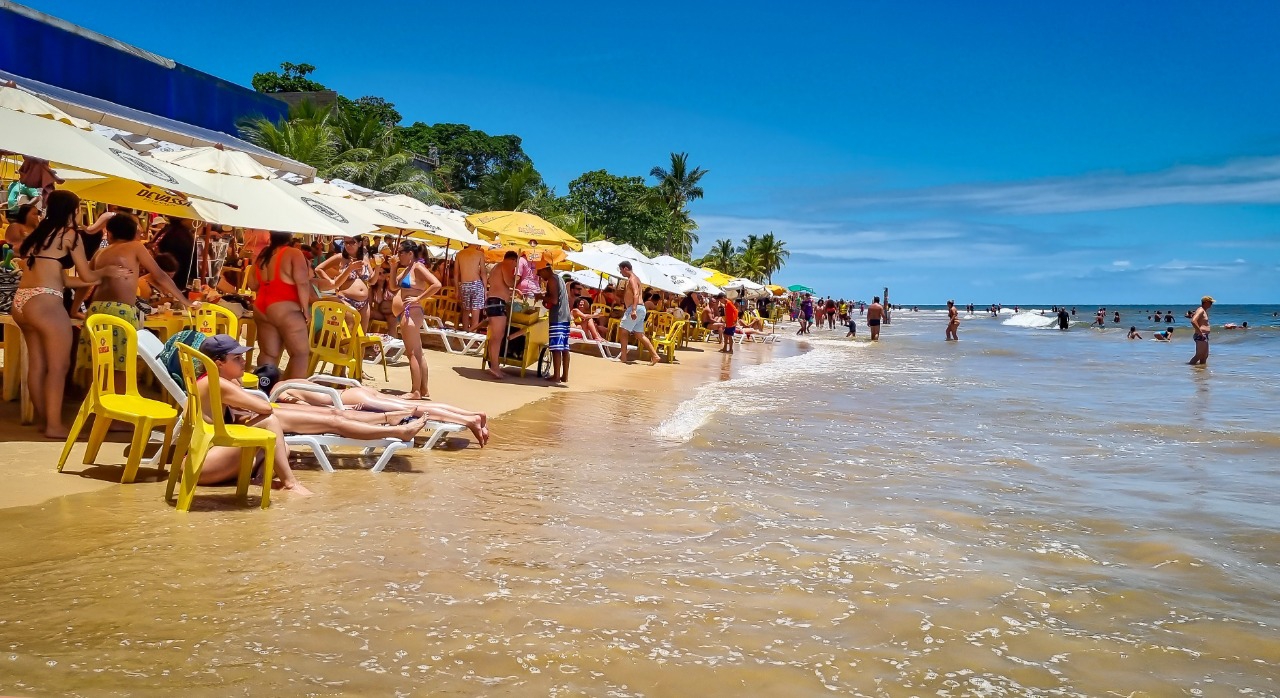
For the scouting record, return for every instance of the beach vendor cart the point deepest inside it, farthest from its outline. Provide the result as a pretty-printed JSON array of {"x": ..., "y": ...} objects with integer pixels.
[{"x": 525, "y": 345}]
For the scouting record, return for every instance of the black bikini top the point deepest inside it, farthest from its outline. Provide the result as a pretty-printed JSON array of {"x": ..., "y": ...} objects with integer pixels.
[{"x": 65, "y": 260}]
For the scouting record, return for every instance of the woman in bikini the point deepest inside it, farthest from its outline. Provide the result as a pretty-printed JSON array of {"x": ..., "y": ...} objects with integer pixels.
[
  {"x": 414, "y": 283},
  {"x": 587, "y": 320},
  {"x": 282, "y": 280},
  {"x": 352, "y": 277},
  {"x": 51, "y": 248}
]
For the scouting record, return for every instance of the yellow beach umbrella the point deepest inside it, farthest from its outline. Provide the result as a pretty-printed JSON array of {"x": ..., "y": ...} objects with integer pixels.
[
  {"x": 716, "y": 278},
  {"x": 126, "y": 193},
  {"x": 519, "y": 228},
  {"x": 537, "y": 254},
  {"x": 776, "y": 290}
]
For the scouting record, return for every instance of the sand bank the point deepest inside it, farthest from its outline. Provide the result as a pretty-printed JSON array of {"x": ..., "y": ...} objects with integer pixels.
[{"x": 28, "y": 462}]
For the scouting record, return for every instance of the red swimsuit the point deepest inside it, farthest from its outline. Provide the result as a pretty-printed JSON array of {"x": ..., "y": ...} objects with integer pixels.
[{"x": 275, "y": 289}]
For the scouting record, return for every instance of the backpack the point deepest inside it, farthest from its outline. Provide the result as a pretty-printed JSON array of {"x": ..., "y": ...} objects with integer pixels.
[{"x": 169, "y": 357}]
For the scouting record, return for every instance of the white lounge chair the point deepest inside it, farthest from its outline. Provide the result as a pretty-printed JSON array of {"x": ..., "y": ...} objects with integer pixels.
[
  {"x": 150, "y": 346},
  {"x": 470, "y": 343},
  {"x": 608, "y": 350}
]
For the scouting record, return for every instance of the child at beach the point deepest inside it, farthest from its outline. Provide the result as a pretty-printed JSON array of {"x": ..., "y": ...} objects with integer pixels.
[{"x": 1133, "y": 333}]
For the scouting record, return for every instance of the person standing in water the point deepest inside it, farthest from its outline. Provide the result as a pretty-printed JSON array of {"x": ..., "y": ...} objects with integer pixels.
[
  {"x": 1200, "y": 324},
  {"x": 953, "y": 322},
  {"x": 875, "y": 313},
  {"x": 1064, "y": 320}
]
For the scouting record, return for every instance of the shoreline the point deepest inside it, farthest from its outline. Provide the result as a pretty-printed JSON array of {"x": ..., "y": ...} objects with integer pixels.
[{"x": 29, "y": 461}]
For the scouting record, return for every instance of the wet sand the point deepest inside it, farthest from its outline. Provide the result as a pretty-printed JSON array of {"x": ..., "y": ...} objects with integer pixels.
[{"x": 27, "y": 462}]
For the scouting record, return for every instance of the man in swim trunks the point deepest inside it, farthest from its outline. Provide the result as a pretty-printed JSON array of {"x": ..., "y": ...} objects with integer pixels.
[
  {"x": 953, "y": 322},
  {"x": 119, "y": 296},
  {"x": 875, "y": 313},
  {"x": 502, "y": 279},
  {"x": 730, "y": 325},
  {"x": 558, "y": 302},
  {"x": 468, "y": 275},
  {"x": 1200, "y": 324},
  {"x": 633, "y": 316}
]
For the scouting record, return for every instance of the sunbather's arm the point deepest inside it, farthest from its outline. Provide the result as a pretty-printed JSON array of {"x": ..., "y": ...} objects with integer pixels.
[{"x": 236, "y": 397}]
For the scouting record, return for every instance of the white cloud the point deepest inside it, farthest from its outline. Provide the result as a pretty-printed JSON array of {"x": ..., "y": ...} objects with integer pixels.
[{"x": 1242, "y": 181}]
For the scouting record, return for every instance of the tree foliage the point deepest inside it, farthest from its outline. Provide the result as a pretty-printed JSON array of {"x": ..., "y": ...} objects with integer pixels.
[
  {"x": 624, "y": 209},
  {"x": 678, "y": 185},
  {"x": 291, "y": 78},
  {"x": 757, "y": 258},
  {"x": 466, "y": 155}
]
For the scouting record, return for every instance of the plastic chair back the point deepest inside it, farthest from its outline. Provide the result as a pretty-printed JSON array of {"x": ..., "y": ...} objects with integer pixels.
[
  {"x": 102, "y": 331},
  {"x": 211, "y": 319},
  {"x": 335, "y": 339},
  {"x": 193, "y": 364}
]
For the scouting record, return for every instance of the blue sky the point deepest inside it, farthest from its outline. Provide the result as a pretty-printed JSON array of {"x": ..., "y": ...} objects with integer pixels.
[{"x": 1016, "y": 152}]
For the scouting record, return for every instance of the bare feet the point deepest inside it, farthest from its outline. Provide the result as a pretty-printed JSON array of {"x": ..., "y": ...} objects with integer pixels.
[
  {"x": 497, "y": 375},
  {"x": 653, "y": 360},
  {"x": 408, "y": 431},
  {"x": 298, "y": 489},
  {"x": 481, "y": 434},
  {"x": 484, "y": 419},
  {"x": 56, "y": 434}
]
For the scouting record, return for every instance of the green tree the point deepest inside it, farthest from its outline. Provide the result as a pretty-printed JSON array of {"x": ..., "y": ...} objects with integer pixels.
[
  {"x": 576, "y": 225},
  {"x": 508, "y": 189},
  {"x": 305, "y": 136},
  {"x": 291, "y": 78},
  {"x": 773, "y": 254},
  {"x": 466, "y": 155},
  {"x": 679, "y": 185},
  {"x": 722, "y": 256},
  {"x": 382, "y": 110},
  {"x": 624, "y": 209}
]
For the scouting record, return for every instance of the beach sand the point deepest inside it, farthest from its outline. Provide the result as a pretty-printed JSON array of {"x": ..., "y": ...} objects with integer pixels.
[{"x": 28, "y": 462}]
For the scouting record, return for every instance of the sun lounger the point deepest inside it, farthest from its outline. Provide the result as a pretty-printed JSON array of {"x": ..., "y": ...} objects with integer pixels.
[
  {"x": 607, "y": 350},
  {"x": 469, "y": 343},
  {"x": 149, "y": 348}
]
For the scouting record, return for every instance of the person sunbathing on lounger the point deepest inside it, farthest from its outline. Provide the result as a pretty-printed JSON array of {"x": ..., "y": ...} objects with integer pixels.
[
  {"x": 243, "y": 407},
  {"x": 368, "y": 400},
  {"x": 587, "y": 320}
]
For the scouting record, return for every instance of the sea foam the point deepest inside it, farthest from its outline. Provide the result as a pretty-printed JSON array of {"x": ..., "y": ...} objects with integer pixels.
[{"x": 1031, "y": 319}]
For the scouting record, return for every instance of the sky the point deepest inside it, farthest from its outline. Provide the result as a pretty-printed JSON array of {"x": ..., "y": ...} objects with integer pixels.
[{"x": 1015, "y": 152}]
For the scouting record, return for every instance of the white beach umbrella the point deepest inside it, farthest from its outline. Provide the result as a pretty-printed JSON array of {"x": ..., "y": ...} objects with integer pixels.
[
  {"x": 421, "y": 222},
  {"x": 39, "y": 131},
  {"x": 750, "y": 289},
  {"x": 606, "y": 263},
  {"x": 264, "y": 201}
]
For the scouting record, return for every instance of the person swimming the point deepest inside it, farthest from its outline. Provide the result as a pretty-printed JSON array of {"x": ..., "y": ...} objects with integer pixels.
[
  {"x": 1163, "y": 336},
  {"x": 1133, "y": 333}
]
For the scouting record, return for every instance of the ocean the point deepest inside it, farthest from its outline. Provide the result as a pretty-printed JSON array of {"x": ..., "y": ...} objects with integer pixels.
[{"x": 1024, "y": 512}]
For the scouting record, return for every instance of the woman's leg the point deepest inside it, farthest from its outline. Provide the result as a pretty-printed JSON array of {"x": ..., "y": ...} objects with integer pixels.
[
  {"x": 49, "y": 360},
  {"x": 280, "y": 467},
  {"x": 411, "y": 335},
  {"x": 366, "y": 316},
  {"x": 270, "y": 346},
  {"x": 36, "y": 369},
  {"x": 305, "y": 421},
  {"x": 288, "y": 318}
]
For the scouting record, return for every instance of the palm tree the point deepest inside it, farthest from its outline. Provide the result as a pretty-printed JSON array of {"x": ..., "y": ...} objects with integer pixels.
[
  {"x": 722, "y": 257},
  {"x": 308, "y": 140},
  {"x": 575, "y": 224},
  {"x": 678, "y": 185},
  {"x": 350, "y": 145},
  {"x": 508, "y": 189},
  {"x": 750, "y": 264},
  {"x": 773, "y": 254}
]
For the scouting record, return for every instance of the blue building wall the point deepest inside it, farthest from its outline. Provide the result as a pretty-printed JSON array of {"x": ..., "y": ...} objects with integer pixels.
[{"x": 59, "y": 57}]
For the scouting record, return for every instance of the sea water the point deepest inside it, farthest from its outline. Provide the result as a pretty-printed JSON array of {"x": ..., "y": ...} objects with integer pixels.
[{"x": 1023, "y": 512}]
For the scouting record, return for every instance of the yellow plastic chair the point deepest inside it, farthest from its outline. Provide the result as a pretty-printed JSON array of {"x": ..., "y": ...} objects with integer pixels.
[
  {"x": 105, "y": 405},
  {"x": 666, "y": 342},
  {"x": 203, "y": 431},
  {"x": 340, "y": 341},
  {"x": 211, "y": 319}
]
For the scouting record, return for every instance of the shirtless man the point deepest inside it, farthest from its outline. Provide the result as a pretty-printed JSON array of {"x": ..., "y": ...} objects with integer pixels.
[
  {"x": 468, "y": 276},
  {"x": 875, "y": 313},
  {"x": 119, "y": 296},
  {"x": 633, "y": 316},
  {"x": 502, "y": 279},
  {"x": 1200, "y": 325},
  {"x": 953, "y": 322}
]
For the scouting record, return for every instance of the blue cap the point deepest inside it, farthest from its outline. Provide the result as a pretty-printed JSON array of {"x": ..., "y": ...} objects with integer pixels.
[{"x": 222, "y": 345}]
